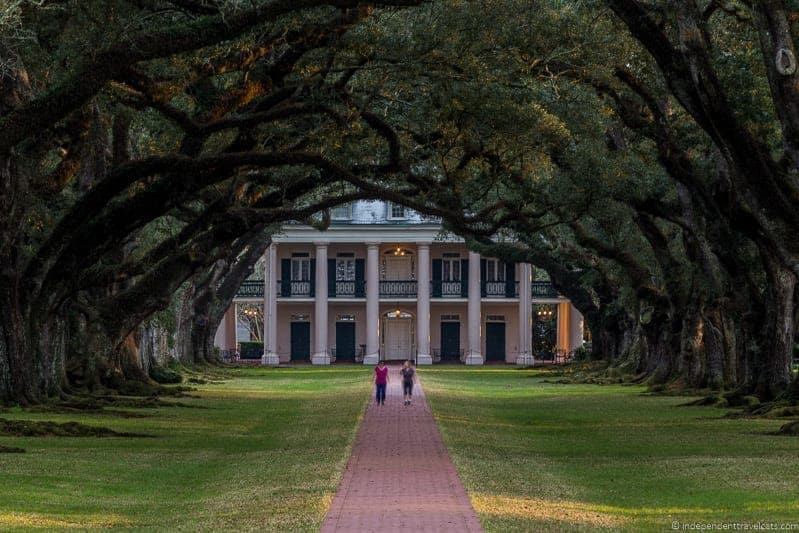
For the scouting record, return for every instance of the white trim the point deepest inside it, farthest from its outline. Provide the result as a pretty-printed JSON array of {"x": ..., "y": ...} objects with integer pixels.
[
  {"x": 381, "y": 233},
  {"x": 548, "y": 300}
]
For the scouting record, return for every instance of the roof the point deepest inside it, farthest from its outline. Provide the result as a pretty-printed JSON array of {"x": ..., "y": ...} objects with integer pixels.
[{"x": 377, "y": 211}]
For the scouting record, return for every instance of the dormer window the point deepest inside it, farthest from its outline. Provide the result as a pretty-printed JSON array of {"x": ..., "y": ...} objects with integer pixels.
[
  {"x": 342, "y": 212},
  {"x": 396, "y": 212}
]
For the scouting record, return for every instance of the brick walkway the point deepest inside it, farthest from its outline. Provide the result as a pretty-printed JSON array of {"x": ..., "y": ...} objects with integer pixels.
[{"x": 400, "y": 476}]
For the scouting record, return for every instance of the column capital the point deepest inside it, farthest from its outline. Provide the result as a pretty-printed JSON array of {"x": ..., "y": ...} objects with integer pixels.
[
  {"x": 321, "y": 244},
  {"x": 425, "y": 244},
  {"x": 372, "y": 244}
]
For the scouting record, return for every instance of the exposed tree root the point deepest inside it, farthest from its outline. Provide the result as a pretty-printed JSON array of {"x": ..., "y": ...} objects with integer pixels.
[
  {"x": 791, "y": 428},
  {"x": 707, "y": 401},
  {"x": 70, "y": 410},
  {"x": 11, "y": 449},
  {"x": 27, "y": 428}
]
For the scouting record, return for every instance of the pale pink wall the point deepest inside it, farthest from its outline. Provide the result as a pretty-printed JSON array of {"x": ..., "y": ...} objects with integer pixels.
[{"x": 358, "y": 249}]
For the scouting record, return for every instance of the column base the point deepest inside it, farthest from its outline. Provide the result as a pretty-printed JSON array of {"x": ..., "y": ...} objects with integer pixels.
[
  {"x": 371, "y": 359},
  {"x": 525, "y": 359},
  {"x": 321, "y": 358},
  {"x": 422, "y": 359},
  {"x": 270, "y": 359},
  {"x": 474, "y": 359}
]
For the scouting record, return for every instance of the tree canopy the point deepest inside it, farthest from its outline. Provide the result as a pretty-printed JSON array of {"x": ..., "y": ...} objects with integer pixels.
[{"x": 642, "y": 153}]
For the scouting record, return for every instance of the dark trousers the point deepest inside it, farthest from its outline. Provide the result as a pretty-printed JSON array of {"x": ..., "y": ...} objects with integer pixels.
[
  {"x": 407, "y": 387},
  {"x": 380, "y": 392}
]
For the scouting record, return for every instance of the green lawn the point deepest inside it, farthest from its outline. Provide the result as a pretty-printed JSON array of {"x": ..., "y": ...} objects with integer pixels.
[
  {"x": 264, "y": 452},
  {"x": 536, "y": 456},
  {"x": 265, "y": 449}
]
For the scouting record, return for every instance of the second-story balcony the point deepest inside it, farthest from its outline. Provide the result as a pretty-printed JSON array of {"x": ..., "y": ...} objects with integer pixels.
[
  {"x": 251, "y": 288},
  {"x": 544, "y": 289},
  {"x": 449, "y": 289},
  {"x": 398, "y": 289},
  {"x": 290, "y": 288},
  {"x": 499, "y": 289},
  {"x": 347, "y": 289}
]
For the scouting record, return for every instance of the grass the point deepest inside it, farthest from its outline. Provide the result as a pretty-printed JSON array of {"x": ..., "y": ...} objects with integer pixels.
[
  {"x": 536, "y": 456},
  {"x": 264, "y": 450}
]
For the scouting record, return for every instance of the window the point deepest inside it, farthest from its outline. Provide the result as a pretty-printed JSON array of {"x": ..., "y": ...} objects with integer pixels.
[
  {"x": 345, "y": 268},
  {"x": 451, "y": 269},
  {"x": 396, "y": 211},
  {"x": 342, "y": 212},
  {"x": 495, "y": 270},
  {"x": 300, "y": 267}
]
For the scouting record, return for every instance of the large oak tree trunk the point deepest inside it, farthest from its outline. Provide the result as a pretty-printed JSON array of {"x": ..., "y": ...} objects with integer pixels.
[
  {"x": 773, "y": 366},
  {"x": 713, "y": 336},
  {"x": 18, "y": 381},
  {"x": 210, "y": 293}
]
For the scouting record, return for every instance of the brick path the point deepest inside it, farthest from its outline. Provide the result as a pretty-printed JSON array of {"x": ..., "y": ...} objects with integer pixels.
[{"x": 400, "y": 476}]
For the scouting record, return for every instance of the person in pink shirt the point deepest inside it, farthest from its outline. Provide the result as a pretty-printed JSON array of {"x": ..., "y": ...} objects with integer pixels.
[{"x": 381, "y": 380}]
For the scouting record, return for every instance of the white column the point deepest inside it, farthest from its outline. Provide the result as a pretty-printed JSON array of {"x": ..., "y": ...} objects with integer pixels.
[
  {"x": 270, "y": 356},
  {"x": 372, "y": 355},
  {"x": 564, "y": 319},
  {"x": 525, "y": 357},
  {"x": 576, "y": 329},
  {"x": 474, "y": 355},
  {"x": 320, "y": 354},
  {"x": 423, "y": 355}
]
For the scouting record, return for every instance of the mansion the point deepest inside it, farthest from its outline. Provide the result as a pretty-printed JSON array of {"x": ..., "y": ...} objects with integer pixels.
[{"x": 384, "y": 282}]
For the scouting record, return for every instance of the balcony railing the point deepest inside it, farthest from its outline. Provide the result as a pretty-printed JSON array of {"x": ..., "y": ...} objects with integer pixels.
[
  {"x": 449, "y": 289},
  {"x": 500, "y": 289},
  {"x": 251, "y": 289},
  {"x": 349, "y": 289},
  {"x": 398, "y": 288},
  {"x": 290, "y": 288},
  {"x": 544, "y": 289}
]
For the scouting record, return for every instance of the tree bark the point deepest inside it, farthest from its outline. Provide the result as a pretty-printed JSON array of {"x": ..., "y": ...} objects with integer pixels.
[
  {"x": 773, "y": 366},
  {"x": 210, "y": 293}
]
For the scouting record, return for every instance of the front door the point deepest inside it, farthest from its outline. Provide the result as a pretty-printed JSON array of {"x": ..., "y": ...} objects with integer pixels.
[
  {"x": 300, "y": 341},
  {"x": 450, "y": 341},
  {"x": 398, "y": 268},
  {"x": 495, "y": 341},
  {"x": 345, "y": 341},
  {"x": 398, "y": 339}
]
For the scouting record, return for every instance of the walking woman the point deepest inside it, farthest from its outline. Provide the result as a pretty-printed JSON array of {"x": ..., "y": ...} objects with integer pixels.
[
  {"x": 381, "y": 380},
  {"x": 408, "y": 378}
]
